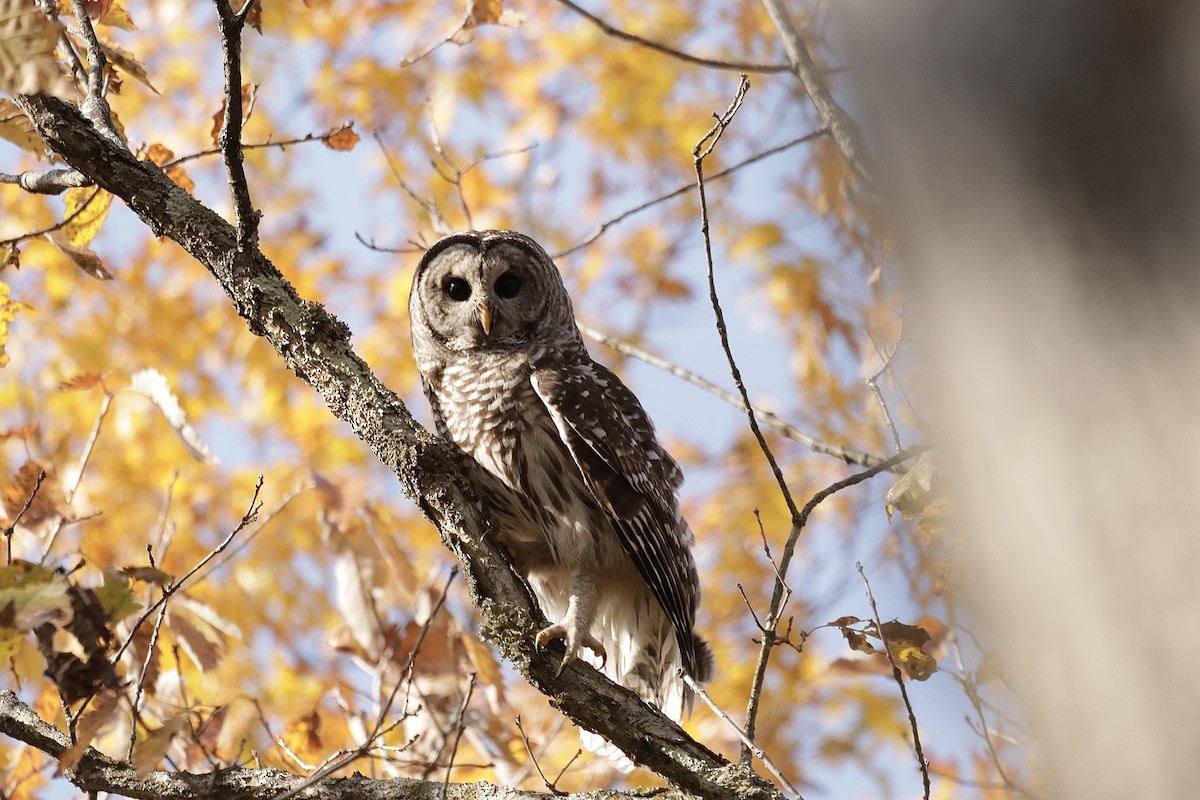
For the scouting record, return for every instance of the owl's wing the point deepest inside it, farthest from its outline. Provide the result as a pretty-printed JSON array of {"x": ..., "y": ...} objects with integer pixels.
[{"x": 632, "y": 478}]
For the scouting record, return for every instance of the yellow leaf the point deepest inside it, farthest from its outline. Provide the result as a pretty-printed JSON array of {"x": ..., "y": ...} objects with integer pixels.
[
  {"x": 8, "y": 312},
  {"x": 85, "y": 212},
  {"x": 16, "y": 128}
]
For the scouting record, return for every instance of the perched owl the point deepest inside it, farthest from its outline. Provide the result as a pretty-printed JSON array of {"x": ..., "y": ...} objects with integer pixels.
[{"x": 566, "y": 461}]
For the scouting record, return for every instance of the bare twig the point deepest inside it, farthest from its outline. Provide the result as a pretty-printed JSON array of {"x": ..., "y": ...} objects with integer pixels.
[
  {"x": 247, "y": 518},
  {"x": 73, "y": 486},
  {"x": 687, "y": 187},
  {"x": 458, "y": 28},
  {"x": 784, "y": 427},
  {"x": 282, "y": 144},
  {"x": 533, "y": 759},
  {"x": 66, "y": 220},
  {"x": 745, "y": 740},
  {"x": 141, "y": 683},
  {"x": 781, "y": 591},
  {"x": 833, "y": 116},
  {"x": 701, "y": 151},
  {"x": 230, "y": 139},
  {"x": 12, "y": 526},
  {"x": 873, "y": 381},
  {"x": 616, "y": 33},
  {"x": 460, "y": 723},
  {"x": 899, "y": 678},
  {"x": 429, "y": 206}
]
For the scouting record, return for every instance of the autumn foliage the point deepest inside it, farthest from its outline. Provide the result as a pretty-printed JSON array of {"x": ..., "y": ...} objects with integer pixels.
[{"x": 204, "y": 568}]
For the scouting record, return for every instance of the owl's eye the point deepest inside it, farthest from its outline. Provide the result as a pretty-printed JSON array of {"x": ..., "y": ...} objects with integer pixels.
[
  {"x": 456, "y": 289},
  {"x": 507, "y": 285}
]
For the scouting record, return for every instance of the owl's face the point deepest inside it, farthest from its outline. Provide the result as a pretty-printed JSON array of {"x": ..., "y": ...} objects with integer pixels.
[{"x": 489, "y": 290}]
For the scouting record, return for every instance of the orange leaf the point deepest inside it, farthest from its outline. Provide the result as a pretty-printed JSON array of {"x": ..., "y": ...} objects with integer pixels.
[
  {"x": 344, "y": 138},
  {"x": 81, "y": 382},
  {"x": 249, "y": 95}
]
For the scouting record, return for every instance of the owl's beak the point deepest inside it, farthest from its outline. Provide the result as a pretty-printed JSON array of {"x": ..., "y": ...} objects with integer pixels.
[{"x": 485, "y": 318}]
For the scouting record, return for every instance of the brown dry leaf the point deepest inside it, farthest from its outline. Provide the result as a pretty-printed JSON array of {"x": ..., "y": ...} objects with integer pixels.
[
  {"x": 28, "y": 39},
  {"x": 254, "y": 17},
  {"x": 16, "y": 128},
  {"x": 127, "y": 63},
  {"x": 99, "y": 712},
  {"x": 203, "y": 652},
  {"x": 118, "y": 17},
  {"x": 49, "y": 503},
  {"x": 344, "y": 138},
  {"x": 96, "y": 9},
  {"x": 82, "y": 257},
  {"x": 491, "y": 12},
  {"x": 857, "y": 641},
  {"x": 161, "y": 155},
  {"x": 23, "y": 432},
  {"x": 150, "y": 751},
  {"x": 249, "y": 95},
  {"x": 12, "y": 258},
  {"x": 81, "y": 382}
]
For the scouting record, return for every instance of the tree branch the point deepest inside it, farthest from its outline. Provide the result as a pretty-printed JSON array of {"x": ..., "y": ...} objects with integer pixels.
[
  {"x": 316, "y": 346},
  {"x": 617, "y": 33},
  {"x": 833, "y": 116},
  {"x": 96, "y": 772}
]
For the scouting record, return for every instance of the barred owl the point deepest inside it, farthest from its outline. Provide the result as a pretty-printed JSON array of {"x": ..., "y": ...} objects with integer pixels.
[{"x": 565, "y": 459}]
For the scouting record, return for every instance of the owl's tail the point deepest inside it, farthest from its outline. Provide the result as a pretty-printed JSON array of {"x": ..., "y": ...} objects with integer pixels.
[{"x": 644, "y": 657}]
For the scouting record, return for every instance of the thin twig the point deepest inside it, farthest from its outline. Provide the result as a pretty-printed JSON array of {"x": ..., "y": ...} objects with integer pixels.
[
  {"x": 873, "y": 381},
  {"x": 687, "y": 187},
  {"x": 701, "y": 151},
  {"x": 460, "y": 723},
  {"x": 73, "y": 486},
  {"x": 616, "y": 33},
  {"x": 67, "y": 220},
  {"x": 899, "y": 678},
  {"x": 137, "y": 697},
  {"x": 428, "y": 206},
  {"x": 745, "y": 740},
  {"x": 230, "y": 139},
  {"x": 247, "y": 518},
  {"x": 784, "y": 427},
  {"x": 282, "y": 144},
  {"x": 12, "y": 526},
  {"x": 533, "y": 759},
  {"x": 781, "y": 591}
]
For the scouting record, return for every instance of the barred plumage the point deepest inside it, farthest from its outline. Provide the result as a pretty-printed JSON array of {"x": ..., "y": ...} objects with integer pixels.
[{"x": 567, "y": 460}]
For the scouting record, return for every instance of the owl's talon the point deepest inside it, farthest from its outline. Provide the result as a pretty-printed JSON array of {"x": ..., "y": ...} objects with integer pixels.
[{"x": 574, "y": 644}]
